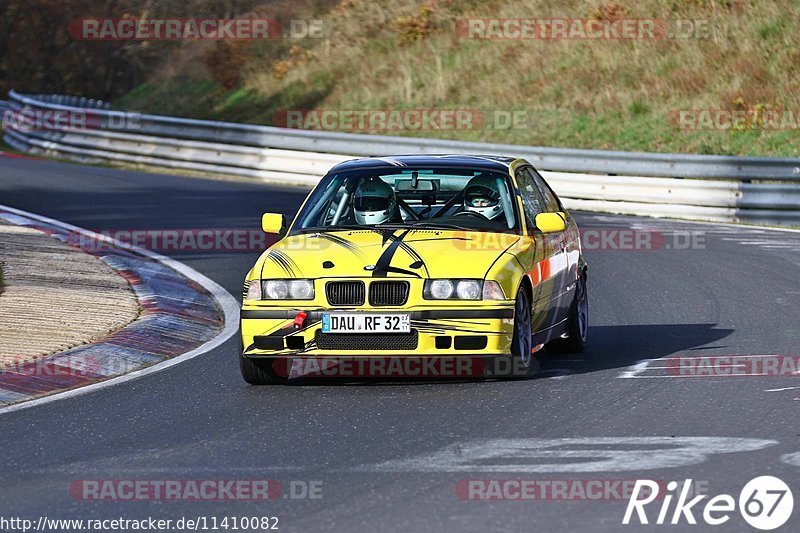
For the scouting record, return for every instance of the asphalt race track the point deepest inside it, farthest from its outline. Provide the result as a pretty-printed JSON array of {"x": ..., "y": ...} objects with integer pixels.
[{"x": 391, "y": 455}]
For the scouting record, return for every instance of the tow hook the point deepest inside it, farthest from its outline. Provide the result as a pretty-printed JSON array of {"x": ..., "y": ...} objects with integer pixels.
[{"x": 300, "y": 320}]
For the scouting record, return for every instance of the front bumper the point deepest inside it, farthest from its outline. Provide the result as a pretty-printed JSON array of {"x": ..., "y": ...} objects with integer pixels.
[{"x": 486, "y": 330}]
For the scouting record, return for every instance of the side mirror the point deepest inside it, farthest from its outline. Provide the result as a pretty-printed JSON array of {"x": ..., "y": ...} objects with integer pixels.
[
  {"x": 551, "y": 222},
  {"x": 273, "y": 223}
]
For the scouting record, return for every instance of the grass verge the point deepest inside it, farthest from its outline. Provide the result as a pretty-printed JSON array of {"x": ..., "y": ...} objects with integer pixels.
[{"x": 598, "y": 94}]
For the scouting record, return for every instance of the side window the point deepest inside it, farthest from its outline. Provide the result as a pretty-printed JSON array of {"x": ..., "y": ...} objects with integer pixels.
[
  {"x": 551, "y": 203},
  {"x": 532, "y": 201}
]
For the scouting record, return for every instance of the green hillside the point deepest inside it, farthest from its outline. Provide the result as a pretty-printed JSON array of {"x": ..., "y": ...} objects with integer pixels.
[{"x": 628, "y": 94}]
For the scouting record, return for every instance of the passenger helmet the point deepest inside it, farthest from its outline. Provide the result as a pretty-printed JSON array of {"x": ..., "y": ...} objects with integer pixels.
[{"x": 374, "y": 202}]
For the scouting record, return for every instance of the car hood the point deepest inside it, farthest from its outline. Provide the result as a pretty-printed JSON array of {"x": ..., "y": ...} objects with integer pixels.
[{"x": 385, "y": 253}]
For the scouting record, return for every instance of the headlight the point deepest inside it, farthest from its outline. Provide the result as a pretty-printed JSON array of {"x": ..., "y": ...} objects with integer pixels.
[
  {"x": 468, "y": 289},
  {"x": 276, "y": 289},
  {"x": 301, "y": 289},
  {"x": 281, "y": 289},
  {"x": 440, "y": 289},
  {"x": 455, "y": 289}
]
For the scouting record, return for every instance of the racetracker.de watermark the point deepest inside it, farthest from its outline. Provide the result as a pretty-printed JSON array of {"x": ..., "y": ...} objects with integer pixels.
[
  {"x": 582, "y": 29},
  {"x": 194, "y": 489},
  {"x": 69, "y": 365},
  {"x": 734, "y": 365},
  {"x": 193, "y": 29},
  {"x": 182, "y": 240},
  {"x": 402, "y": 367},
  {"x": 255, "y": 240},
  {"x": 593, "y": 239},
  {"x": 353, "y": 120},
  {"x": 738, "y": 119},
  {"x": 32, "y": 120},
  {"x": 557, "y": 490}
]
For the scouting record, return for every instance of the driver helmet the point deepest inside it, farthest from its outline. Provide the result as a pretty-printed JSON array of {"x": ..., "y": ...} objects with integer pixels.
[
  {"x": 482, "y": 196},
  {"x": 374, "y": 202}
]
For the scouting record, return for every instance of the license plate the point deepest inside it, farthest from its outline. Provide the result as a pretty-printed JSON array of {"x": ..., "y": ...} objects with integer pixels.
[{"x": 365, "y": 323}]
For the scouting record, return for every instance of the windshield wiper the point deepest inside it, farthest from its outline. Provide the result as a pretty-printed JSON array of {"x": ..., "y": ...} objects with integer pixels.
[
  {"x": 392, "y": 225},
  {"x": 339, "y": 227},
  {"x": 441, "y": 225}
]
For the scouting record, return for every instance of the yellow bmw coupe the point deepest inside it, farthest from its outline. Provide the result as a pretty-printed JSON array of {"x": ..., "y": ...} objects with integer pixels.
[{"x": 423, "y": 255}]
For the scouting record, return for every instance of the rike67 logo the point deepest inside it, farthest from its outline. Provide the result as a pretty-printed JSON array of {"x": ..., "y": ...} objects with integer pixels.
[{"x": 766, "y": 503}]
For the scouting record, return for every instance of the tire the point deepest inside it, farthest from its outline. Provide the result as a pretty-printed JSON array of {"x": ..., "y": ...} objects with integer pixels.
[
  {"x": 522, "y": 362},
  {"x": 515, "y": 365},
  {"x": 578, "y": 328},
  {"x": 259, "y": 371}
]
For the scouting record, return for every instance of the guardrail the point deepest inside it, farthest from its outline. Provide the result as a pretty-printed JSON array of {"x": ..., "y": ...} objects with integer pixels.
[
  {"x": 70, "y": 101},
  {"x": 717, "y": 188}
]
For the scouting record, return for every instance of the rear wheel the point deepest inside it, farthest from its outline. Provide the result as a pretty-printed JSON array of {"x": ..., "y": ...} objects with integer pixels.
[
  {"x": 259, "y": 371},
  {"x": 578, "y": 328}
]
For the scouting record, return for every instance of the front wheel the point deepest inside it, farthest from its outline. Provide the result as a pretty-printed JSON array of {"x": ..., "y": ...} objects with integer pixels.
[
  {"x": 522, "y": 362},
  {"x": 521, "y": 342},
  {"x": 578, "y": 329}
]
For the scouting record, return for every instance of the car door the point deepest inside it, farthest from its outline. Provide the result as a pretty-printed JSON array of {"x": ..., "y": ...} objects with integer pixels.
[
  {"x": 564, "y": 261},
  {"x": 546, "y": 286}
]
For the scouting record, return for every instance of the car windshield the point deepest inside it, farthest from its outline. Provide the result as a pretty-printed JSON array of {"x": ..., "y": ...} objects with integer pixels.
[{"x": 452, "y": 198}]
